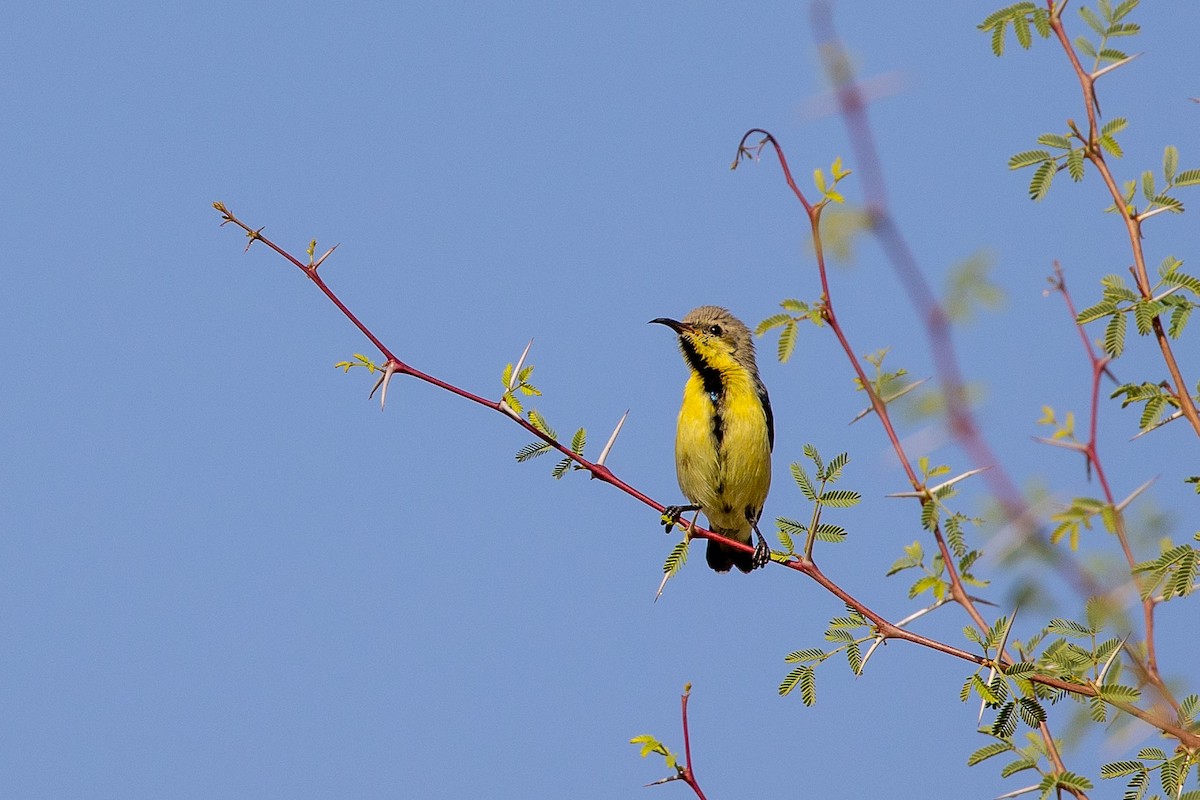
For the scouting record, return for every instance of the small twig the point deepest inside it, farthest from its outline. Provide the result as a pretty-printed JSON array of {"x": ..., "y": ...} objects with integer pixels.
[{"x": 688, "y": 773}]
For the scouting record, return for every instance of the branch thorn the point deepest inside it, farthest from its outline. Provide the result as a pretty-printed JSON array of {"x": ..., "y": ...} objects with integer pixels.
[
  {"x": 513, "y": 380},
  {"x": 612, "y": 440},
  {"x": 328, "y": 253}
]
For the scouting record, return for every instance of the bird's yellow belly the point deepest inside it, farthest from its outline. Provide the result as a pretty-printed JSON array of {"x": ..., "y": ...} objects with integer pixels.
[{"x": 726, "y": 468}]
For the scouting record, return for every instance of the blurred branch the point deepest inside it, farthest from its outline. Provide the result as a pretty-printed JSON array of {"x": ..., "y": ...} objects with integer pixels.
[{"x": 936, "y": 323}]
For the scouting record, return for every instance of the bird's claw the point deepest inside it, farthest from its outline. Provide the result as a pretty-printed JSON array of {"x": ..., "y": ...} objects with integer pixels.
[
  {"x": 670, "y": 517},
  {"x": 762, "y": 554}
]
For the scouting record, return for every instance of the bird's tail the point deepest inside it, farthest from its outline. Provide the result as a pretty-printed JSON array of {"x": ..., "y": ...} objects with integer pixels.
[{"x": 721, "y": 557}]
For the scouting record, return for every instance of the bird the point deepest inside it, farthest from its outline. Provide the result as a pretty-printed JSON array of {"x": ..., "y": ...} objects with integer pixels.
[{"x": 725, "y": 435}]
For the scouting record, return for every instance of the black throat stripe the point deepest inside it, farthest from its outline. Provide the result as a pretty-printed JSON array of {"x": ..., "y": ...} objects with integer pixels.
[{"x": 714, "y": 387}]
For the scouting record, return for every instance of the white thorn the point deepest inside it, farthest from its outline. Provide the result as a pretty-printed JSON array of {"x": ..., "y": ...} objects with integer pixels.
[
  {"x": 1026, "y": 790},
  {"x": 878, "y": 641},
  {"x": 612, "y": 439},
  {"x": 1081, "y": 448},
  {"x": 1145, "y": 215},
  {"x": 1121, "y": 506},
  {"x": 1112, "y": 657},
  {"x": 910, "y": 618},
  {"x": 378, "y": 383},
  {"x": 1157, "y": 425},
  {"x": 513, "y": 380},
  {"x": 328, "y": 253},
  {"x": 1172, "y": 290},
  {"x": 956, "y": 479},
  {"x": 922, "y": 612},
  {"x": 905, "y": 390},
  {"x": 933, "y": 490},
  {"x": 1007, "y": 630},
  {"x": 1114, "y": 65},
  {"x": 661, "y": 586},
  {"x": 507, "y": 409},
  {"x": 388, "y": 372},
  {"x": 999, "y": 655}
]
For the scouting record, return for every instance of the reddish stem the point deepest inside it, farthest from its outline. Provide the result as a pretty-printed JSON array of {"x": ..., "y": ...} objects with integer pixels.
[
  {"x": 1091, "y": 452},
  {"x": 787, "y": 172},
  {"x": 688, "y": 773},
  {"x": 1094, "y": 152}
]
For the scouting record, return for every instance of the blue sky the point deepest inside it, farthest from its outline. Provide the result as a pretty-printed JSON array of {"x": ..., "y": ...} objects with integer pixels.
[{"x": 225, "y": 573}]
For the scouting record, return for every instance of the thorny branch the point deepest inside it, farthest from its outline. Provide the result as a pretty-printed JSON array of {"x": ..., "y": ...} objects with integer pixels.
[
  {"x": 957, "y": 591},
  {"x": 1099, "y": 364},
  {"x": 885, "y": 629},
  {"x": 1094, "y": 153}
]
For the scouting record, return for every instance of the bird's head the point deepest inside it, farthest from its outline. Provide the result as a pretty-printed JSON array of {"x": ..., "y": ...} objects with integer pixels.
[{"x": 712, "y": 338}]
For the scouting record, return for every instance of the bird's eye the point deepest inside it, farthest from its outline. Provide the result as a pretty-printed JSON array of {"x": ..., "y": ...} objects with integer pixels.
[{"x": 715, "y": 330}]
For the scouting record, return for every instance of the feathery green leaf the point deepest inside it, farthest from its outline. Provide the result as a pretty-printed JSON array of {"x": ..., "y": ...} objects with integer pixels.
[
  {"x": 533, "y": 450},
  {"x": 1055, "y": 140},
  {"x": 1170, "y": 163},
  {"x": 1114, "y": 125},
  {"x": 773, "y": 321},
  {"x": 1119, "y": 769},
  {"x": 1110, "y": 144},
  {"x": 989, "y": 750},
  {"x": 561, "y": 468},
  {"x": 1189, "y": 177},
  {"x": 676, "y": 558},
  {"x": 1075, "y": 165},
  {"x": 1114, "y": 335},
  {"x": 787, "y": 341},
  {"x": 1043, "y": 176},
  {"x": 1093, "y": 20},
  {"x": 802, "y": 480},
  {"x": 840, "y": 498},
  {"x": 1028, "y": 158}
]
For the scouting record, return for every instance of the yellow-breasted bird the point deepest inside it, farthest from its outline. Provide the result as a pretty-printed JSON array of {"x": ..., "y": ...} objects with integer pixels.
[{"x": 725, "y": 436}]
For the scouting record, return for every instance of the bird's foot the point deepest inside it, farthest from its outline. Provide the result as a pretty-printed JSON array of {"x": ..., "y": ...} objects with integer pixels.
[
  {"x": 762, "y": 553},
  {"x": 671, "y": 515}
]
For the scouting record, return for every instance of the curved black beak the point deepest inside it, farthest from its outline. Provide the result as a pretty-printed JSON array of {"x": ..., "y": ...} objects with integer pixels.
[{"x": 673, "y": 324}]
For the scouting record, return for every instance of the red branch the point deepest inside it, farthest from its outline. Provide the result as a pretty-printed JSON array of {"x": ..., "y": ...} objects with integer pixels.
[
  {"x": 688, "y": 773},
  {"x": 805, "y": 566}
]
